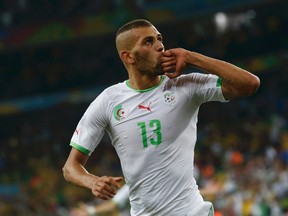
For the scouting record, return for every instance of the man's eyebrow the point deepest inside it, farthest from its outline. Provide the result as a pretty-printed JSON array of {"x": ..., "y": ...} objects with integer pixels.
[
  {"x": 159, "y": 35},
  {"x": 148, "y": 37},
  {"x": 151, "y": 37}
]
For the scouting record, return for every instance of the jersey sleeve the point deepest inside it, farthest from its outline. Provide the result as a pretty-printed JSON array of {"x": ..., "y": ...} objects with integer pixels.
[
  {"x": 91, "y": 127},
  {"x": 205, "y": 87}
]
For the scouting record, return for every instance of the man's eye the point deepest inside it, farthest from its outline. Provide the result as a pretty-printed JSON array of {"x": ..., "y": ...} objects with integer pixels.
[{"x": 148, "y": 41}]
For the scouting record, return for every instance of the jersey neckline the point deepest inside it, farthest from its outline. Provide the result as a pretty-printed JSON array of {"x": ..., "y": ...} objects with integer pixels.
[{"x": 145, "y": 90}]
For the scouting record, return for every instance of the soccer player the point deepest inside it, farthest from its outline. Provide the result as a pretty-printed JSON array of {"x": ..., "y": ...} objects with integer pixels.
[{"x": 151, "y": 119}]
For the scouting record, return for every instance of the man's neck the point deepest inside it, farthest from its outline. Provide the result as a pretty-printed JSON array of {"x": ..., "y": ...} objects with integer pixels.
[{"x": 144, "y": 82}]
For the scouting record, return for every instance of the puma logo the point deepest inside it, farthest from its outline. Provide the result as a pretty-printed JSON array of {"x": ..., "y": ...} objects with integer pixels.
[
  {"x": 141, "y": 106},
  {"x": 77, "y": 131}
]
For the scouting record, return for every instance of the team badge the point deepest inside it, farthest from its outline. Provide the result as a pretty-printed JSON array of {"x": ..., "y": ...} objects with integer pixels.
[
  {"x": 169, "y": 97},
  {"x": 119, "y": 113}
]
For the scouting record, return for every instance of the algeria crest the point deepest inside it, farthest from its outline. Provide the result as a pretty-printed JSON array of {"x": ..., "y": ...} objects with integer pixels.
[{"x": 119, "y": 113}]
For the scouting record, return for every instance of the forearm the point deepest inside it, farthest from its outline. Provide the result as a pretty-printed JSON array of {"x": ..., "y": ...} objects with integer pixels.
[
  {"x": 220, "y": 68},
  {"x": 77, "y": 174},
  {"x": 236, "y": 81},
  {"x": 104, "y": 187}
]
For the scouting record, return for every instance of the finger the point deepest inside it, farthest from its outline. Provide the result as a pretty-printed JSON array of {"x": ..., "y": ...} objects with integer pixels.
[
  {"x": 103, "y": 189},
  {"x": 169, "y": 63},
  {"x": 173, "y": 75},
  {"x": 103, "y": 194},
  {"x": 106, "y": 187},
  {"x": 170, "y": 69},
  {"x": 118, "y": 179},
  {"x": 167, "y": 53},
  {"x": 108, "y": 190},
  {"x": 115, "y": 182},
  {"x": 112, "y": 181},
  {"x": 167, "y": 59},
  {"x": 169, "y": 75}
]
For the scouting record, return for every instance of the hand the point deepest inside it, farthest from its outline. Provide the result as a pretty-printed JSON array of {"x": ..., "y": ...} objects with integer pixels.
[
  {"x": 105, "y": 187},
  {"x": 174, "y": 62}
]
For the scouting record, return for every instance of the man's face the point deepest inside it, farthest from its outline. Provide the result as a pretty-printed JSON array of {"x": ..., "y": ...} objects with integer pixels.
[{"x": 148, "y": 50}]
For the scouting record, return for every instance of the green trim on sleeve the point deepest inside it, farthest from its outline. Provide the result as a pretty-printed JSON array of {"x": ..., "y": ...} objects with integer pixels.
[
  {"x": 219, "y": 82},
  {"x": 80, "y": 148}
]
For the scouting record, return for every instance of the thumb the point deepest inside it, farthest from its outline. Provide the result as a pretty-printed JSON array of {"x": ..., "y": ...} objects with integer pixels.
[{"x": 118, "y": 179}]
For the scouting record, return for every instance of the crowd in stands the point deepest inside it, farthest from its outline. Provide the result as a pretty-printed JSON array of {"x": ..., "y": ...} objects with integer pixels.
[
  {"x": 242, "y": 145},
  {"x": 94, "y": 61},
  {"x": 18, "y": 13}
]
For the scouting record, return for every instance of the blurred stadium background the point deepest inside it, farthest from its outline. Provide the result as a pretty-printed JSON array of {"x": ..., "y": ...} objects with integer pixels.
[{"x": 56, "y": 56}]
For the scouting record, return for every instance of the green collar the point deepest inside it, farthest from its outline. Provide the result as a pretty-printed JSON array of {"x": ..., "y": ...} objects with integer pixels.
[{"x": 145, "y": 90}]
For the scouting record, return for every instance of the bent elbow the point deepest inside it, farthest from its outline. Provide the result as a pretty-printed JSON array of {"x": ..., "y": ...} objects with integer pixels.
[
  {"x": 65, "y": 172},
  {"x": 253, "y": 86}
]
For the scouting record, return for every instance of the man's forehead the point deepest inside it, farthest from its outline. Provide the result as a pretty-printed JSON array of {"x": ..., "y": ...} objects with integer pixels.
[
  {"x": 142, "y": 32},
  {"x": 128, "y": 39}
]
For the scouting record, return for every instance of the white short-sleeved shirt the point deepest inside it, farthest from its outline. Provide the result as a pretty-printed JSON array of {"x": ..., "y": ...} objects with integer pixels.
[{"x": 154, "y": 134}]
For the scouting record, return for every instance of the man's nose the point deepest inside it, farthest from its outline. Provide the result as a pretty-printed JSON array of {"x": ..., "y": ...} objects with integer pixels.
[{"x": 159, "y": 46}]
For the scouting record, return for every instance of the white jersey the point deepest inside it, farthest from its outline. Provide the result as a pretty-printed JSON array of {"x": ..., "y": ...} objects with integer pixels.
[{"x": 154, "y": 134}]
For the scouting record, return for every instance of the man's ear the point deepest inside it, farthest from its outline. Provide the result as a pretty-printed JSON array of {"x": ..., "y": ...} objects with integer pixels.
[{"x": 127, "y": 57}]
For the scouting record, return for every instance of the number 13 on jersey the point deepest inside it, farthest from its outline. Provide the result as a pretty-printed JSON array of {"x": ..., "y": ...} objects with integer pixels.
[{"x": 154, "y": 126}]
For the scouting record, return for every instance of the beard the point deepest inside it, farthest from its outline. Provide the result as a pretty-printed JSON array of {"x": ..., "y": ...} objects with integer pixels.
[{"x": 146, "y": 65}]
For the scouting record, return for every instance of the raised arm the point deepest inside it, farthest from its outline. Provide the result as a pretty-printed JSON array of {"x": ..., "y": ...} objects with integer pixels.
[
  {"x": 104, "y": 187},
  {"x": 236, "y": 82}
]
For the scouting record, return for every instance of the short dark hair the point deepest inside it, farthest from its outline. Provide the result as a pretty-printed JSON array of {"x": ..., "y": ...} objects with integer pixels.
[{"x": 133, "y": 24}]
